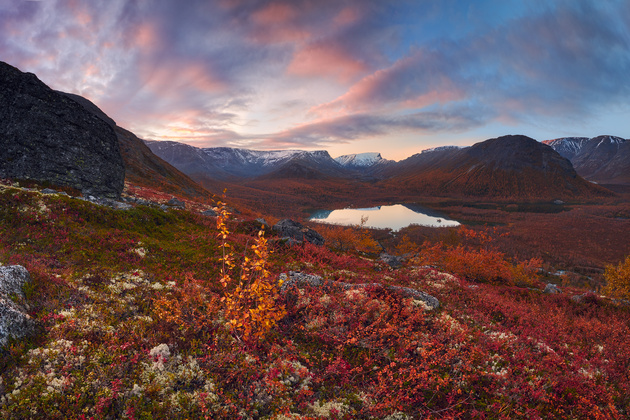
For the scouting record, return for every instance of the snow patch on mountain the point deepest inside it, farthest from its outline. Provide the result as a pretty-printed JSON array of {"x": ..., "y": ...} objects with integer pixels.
[
  {"x": 440, "y": 148},
  {"x": 362, "y": 160},
  {"x": 568, "y": 147}
]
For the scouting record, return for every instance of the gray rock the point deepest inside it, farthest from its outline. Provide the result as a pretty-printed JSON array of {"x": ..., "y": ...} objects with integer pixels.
[
  {"x": 299, "y": 280},
  {"x": 174, "y": 202},
  {"x": 392, "y": 260},
  {"x": 552, "y": 289},
  {"x": 288, "y": 228},
  {"x": 14, "y": 321},
  {"x": 107, "y": 202},
  {"x": 47, "y": 136},
  {"x": 209, "y": 212}
]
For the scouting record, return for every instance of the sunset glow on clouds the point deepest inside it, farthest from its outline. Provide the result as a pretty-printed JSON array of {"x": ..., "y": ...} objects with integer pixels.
[{"x": 348, "y": 76}]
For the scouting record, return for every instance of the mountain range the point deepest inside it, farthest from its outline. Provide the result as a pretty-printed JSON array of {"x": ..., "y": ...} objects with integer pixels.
[
  {"x": 507, "y": 166},
  {"x": 601, "y": 159}
]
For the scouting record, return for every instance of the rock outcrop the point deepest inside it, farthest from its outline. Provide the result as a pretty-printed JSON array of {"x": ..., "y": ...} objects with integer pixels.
[
  {"x": 14, "y": 321},
  {"x": 296, "y": 231},
  {"x": 49, "y": 137}
]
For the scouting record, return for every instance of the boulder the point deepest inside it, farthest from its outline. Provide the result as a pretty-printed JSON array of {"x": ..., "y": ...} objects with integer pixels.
[
  {"x": 49, "y": 137},
  {"x": 291, "y": 229},
  {"x": 551, "y": 288},
  {"x": 209, "y": 212},
  {"x": 14, "y": 321},
  {"x": 174, "y": 202},
  {"x": 392, "y": 260}
]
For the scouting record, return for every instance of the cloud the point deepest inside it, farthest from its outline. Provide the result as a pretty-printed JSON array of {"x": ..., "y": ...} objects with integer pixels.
[
  {"x": 313, "y": 72},
  {"x": 567, "y": 61},
  {"x": 363, "y": 125},
  {"x": 325, "y": 61}
]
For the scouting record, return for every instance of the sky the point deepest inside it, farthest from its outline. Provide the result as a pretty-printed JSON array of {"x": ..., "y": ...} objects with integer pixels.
[{"x": 347, "y": 76}]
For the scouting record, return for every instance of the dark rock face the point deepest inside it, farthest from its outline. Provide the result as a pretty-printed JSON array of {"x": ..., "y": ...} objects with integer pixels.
[
  {"x": 47, "y": 136},
  {"x": 288, "y": 228}
]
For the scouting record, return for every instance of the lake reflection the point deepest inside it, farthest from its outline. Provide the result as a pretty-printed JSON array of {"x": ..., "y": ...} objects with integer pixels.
[{"x": 393, "y": 217}]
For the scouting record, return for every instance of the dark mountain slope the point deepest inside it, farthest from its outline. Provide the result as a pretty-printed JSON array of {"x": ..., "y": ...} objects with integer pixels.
[
  {"x": 602, "y": 159},
  {"x": 504, "y": 167}
]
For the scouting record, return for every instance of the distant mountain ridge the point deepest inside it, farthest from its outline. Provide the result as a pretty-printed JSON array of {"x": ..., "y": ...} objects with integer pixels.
[
  {"x": 503, "y": 167},
  {"x": 361, "y": 160},
  {"x": 508, "y": 166},
  {"x": 226, "y": 163},
  {"x": 601, "y": 159}
]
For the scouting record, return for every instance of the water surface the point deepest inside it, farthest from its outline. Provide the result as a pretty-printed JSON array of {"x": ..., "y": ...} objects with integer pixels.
[{"x": 393, "y": 217}]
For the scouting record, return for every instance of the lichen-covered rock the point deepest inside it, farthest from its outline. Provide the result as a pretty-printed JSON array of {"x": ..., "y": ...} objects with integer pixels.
[
  {"x": 47, "y": 136},
  {"x": 552, "y": 289},
  {"x": 14, "y": 321},
  {"x": 288, "y": 228}
]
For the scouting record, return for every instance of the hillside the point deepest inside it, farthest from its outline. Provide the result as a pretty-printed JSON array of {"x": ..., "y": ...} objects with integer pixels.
[
  {"x": 131, "y": 323},
  {"x": 505, "y": 167}
]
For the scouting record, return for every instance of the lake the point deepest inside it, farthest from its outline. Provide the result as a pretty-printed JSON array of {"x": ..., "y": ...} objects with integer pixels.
[{"x": 393, "y": 217}]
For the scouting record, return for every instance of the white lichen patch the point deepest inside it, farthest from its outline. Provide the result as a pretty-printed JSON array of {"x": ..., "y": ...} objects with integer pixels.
[
  {"x": 420, "y": 304},
  {"x": 504, "y": 337},
  {"x": 449, "y": 322},
  {"x": 49, "y": 369},
  {"x": 329, "y": 408},
  {"x": 141, "y": 252},
  {"x": 173, "y": 375}
]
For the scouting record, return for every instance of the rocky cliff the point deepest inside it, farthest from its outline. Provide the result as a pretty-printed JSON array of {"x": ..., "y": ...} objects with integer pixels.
[{"x": 47, "y": 136}]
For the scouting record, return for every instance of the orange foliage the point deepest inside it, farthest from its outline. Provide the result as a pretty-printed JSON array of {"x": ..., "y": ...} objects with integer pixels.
[
  {"x": 356, "y": 238},
  {"x": 618, "y": 279},
  {"x": 251, "y": 299},
  {"x": 477, "y": 261}
]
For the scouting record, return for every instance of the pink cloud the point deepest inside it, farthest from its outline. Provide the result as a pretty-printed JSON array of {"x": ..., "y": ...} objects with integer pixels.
[
  {"x": 325, "y": 61},
  {"x": 178, "y": 80},
  {"x": 412, "y": 82},
  {"x": 347, "y": 16},
  {"x": 275, "y": 14}
]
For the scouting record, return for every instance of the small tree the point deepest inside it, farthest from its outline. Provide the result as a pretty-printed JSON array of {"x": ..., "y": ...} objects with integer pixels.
[
  {"x": 618, "y": 279},
  {"x": 251, "y": 297}
]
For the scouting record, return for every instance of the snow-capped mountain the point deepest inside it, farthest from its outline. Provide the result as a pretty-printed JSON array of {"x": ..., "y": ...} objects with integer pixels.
[
  {"x": 229, "y": 162},
  {"x": 440, "y": 149},
  {"x": 360, "y": 160},
  {"x": 602, "y": 159},
  {"x": 568, "y": 147}
]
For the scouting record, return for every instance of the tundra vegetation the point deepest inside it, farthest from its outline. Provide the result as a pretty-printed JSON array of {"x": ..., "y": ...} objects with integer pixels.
[{"x": 149, "y": 313}]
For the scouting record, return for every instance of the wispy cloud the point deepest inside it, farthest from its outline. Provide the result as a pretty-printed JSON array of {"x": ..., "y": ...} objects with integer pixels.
[{"x": 274, "y": 73}]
